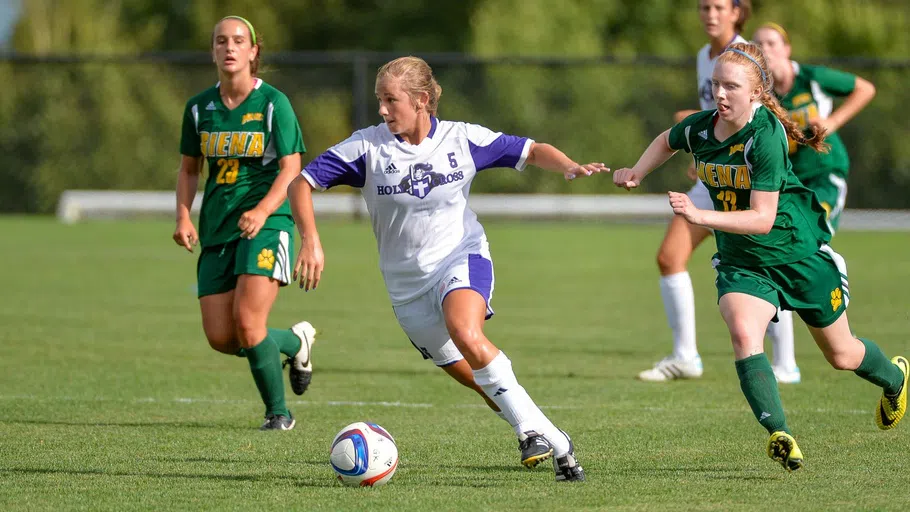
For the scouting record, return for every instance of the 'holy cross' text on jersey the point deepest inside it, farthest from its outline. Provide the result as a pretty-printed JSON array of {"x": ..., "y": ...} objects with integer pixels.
[{"x": 420, "y": 181}]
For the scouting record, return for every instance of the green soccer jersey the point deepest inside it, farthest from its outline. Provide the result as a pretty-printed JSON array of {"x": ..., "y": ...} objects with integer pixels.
[
  {"x": 754, "y": 158},
  {"x": 811, "y": 98},
  {"x": 242, "y": 147}
]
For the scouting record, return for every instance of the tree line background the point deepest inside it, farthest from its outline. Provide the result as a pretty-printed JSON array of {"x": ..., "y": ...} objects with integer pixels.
[{"x": 94, "y": 90}]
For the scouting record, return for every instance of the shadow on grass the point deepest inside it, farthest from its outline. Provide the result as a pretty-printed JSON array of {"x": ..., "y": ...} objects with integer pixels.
[
  {"x": 222, "y": 460},
  {"x": 707, "y": 473},
  {"x": 429, "y": 372},
  {"x": 471, "y": 467},
  {"x": 478, "y": 481},
  {"x": 346, "y": 371},
  {"x": 327, "y": 482},
  {"x": 153, "y": 424}
]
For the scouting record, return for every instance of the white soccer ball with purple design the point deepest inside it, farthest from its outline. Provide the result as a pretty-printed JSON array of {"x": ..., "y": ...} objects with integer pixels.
[{"x": 364, "y": 454}]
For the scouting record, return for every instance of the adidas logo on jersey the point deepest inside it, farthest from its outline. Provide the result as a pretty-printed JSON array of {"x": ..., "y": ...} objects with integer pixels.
[
  {"x": 210, "y": 106},
  {"x": 703, "y": 134},
  {"x": 391, "y": 169}
]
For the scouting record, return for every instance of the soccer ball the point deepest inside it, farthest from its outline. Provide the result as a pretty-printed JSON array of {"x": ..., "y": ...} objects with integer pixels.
[{"x": 364, "y": 454}]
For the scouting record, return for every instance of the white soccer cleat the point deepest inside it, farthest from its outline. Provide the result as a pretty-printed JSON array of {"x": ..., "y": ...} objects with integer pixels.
[
  {"x": 671, "y": 369},
  {"x": 785, "y": 376},
  {"x": 301, "y": 372}
]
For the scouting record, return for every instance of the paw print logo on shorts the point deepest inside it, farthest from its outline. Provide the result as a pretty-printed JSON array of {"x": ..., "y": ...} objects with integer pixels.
[
  {"x": 837, "y": 298},
  {"x": 266, "y": 259}
]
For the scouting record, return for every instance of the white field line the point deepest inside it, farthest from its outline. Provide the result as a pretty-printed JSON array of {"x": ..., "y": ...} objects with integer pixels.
[{"x": 403, "y": 405}]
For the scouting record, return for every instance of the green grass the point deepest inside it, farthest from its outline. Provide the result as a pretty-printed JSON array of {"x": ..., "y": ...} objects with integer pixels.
[{"x": 111, "y": 399}]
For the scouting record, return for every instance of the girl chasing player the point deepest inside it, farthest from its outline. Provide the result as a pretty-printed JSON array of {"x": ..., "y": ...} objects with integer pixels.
[
  {"x": 772, "y": 241},
  {"x": 722, "y": 21}
]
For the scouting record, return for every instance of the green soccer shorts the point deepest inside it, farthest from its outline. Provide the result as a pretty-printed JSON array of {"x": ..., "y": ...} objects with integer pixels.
[
  {"x": 831, "y": 190},
  {"x": 814, "y": 287},
  {"x": 269, "y": 254}
]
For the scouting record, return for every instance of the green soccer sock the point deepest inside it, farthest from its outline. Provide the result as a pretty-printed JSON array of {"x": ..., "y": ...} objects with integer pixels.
[
  {"x": 265, "y": 364},
  {"x": 757, "y": 381},
  {"x": 879, "y": 370},
  {"x": 288, "y": 342}
]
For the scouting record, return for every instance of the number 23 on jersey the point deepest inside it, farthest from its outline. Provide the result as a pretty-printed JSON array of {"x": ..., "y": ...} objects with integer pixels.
[{"x": 228, "y": 168}]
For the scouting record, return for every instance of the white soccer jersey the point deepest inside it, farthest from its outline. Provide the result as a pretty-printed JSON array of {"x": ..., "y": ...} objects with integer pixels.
[
  {"x": 705, "y": 65},
  {"x": 417, "y": 194}
]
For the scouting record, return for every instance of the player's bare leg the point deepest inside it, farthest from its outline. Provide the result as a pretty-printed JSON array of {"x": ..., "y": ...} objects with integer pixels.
[{"x": 218, "y": 322}]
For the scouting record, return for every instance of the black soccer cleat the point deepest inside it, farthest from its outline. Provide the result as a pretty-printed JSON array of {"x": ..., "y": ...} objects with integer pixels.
[
  {"x": 534, "y": 448},
  {"x": 278, "y": 422},
  {"x": 567, "y": 467}
]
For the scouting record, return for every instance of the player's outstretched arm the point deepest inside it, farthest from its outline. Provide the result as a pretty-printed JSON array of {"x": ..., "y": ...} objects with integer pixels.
[
  {"x": 550, "y": 158},
  {"x": 862, "y": 94},
  {"x": 757, "y": 220},
  {"x": 310, "y": 259},
  {"x": 185, "y": 234},
  {"x": 658, "y": 152}
]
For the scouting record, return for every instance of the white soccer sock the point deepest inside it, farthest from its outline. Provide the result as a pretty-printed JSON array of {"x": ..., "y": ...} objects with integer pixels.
[
  {"x": 781, "y": 334},
  {"x": 679, "y": 304},
  {"x": 502, "y": 415},
  {"x": 499, "y": 383}
]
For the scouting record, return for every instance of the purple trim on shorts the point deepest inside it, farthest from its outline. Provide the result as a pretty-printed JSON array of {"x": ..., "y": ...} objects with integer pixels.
[{"x": 480, "y": 273}]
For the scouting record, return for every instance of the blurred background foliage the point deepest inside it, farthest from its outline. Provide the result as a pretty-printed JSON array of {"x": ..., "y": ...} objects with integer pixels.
[{"x": 95, "y": 89}]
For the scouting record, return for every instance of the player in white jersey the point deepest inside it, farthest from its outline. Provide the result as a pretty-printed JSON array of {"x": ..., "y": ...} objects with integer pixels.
[
  {"x": 722, "y": 20},
  {"x": 414, "y": 172}
]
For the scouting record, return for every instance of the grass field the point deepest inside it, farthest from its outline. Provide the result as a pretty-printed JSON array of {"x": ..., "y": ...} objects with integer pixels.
[{"x": 111, "y": 399}]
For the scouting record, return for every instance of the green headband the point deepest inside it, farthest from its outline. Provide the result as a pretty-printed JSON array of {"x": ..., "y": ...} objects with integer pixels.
[{"x": 245, "y": 22}]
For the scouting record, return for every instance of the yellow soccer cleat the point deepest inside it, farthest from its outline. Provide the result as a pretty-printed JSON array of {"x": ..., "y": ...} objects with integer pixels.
[
  {"x": 782, "y": 448},
  {"x": 891, "y": 408}
]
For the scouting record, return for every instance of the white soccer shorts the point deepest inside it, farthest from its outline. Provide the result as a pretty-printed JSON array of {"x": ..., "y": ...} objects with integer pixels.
[{"x": 422, "y": 319}]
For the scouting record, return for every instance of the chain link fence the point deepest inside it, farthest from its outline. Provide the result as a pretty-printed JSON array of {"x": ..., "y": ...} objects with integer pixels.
[{"x": 96, "y": 122}]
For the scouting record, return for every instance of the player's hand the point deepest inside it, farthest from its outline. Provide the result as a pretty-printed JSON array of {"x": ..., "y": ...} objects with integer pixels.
[
  {"x": 310, "y": 262},
  {"x": 683, "y": 206},
  {"x": 823, "y": 125},
  {"x": 692, "y": 172},
  {"x": 251, "y": 222},
  {"x": 626, "y": 178},
  {"x": 185, "y": 235},
  {"x": 584, "y": 170}
]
